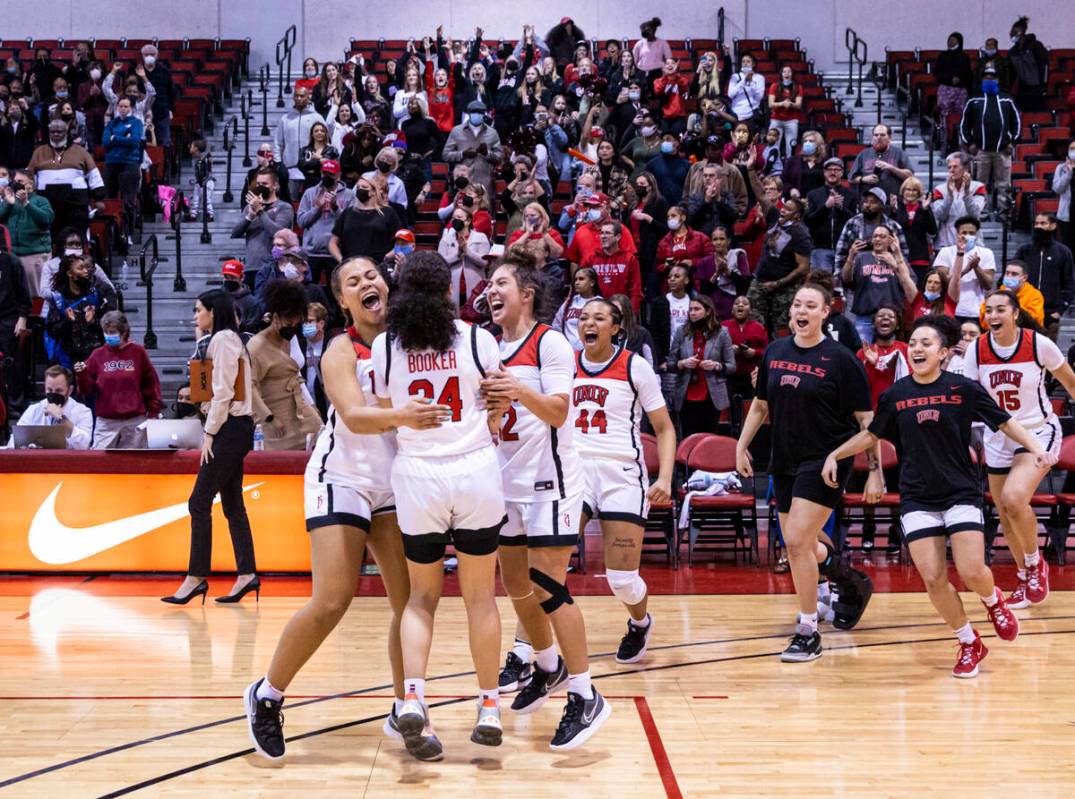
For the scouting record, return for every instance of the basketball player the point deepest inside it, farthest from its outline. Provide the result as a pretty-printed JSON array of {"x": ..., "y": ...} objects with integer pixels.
[
  {"x": 446, "y": 483},
  {"x": 613, "y": 386},
  {"x": 543, "y": 491},
  {"x": 348, "y": 503},
  {"x": 1010, "y": 361},
  {"x": 815, "y": 393},
  {"x": 928, "y": 414}
]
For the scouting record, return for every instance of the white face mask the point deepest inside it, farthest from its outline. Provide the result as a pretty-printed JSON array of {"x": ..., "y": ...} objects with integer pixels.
[
  {"x": 150, "y": 60},
  {"x": 73, "y": 251},
  {"x": 95, "y": 74}
]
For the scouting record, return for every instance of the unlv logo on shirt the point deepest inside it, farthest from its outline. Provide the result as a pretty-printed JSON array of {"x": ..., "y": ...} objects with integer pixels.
[
  {"x": 928, "y": 416},
  {"x": 1005, "y": 376},
  {"x": 790, "y": 380},
  {"x": 590, "y": 393}
]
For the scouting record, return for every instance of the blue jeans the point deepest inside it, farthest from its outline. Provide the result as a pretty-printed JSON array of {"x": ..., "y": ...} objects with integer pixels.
[
  {"x": 823, "y": 259},
  {"x": 864, "y": 326},
  {"x": 163, "y": 127}
]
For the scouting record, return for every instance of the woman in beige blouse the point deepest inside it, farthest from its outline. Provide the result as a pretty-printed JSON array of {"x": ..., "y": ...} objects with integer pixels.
[
  {"x": 281, "y": 404},
  {"x": 229, "y": 435}
]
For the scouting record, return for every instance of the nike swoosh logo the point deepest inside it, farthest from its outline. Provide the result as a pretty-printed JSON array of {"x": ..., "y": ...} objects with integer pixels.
[{"x": 53, "y": 542}]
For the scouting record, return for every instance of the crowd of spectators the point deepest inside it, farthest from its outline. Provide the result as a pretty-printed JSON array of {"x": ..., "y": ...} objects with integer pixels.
[{"x": 698, "y": 195}]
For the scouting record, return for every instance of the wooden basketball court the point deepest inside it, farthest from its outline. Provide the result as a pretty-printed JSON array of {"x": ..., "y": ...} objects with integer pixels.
[{"x": 105, "y": 694}]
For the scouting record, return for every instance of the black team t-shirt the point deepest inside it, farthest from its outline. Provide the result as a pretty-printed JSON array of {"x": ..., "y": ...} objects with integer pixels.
[
  {"x": 813, "y": 394},
  {"x": 930, "y": 424}
]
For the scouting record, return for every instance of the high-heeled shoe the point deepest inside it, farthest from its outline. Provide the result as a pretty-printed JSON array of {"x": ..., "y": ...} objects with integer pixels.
[
  {"x": 254, "y": 585},
  {"x": 201, "y": 588}
]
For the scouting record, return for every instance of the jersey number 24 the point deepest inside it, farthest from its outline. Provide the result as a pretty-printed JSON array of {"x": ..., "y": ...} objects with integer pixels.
[{"x": 449, "y": 395}]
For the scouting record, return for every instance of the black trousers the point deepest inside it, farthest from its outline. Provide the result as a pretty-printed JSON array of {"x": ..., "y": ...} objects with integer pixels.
[
  {"x": 698, "y": 416},
  {"x": 223, "y": 474}
]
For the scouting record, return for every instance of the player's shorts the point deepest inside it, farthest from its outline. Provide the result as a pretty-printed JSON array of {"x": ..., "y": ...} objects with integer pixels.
[
  {"x": 327, "y": 504},
  {"x": 457, "y": 499},
  {"x": 615, "y": 490},
  {"x": 548, "y": 523},
  {"x": 807, "y": 483},
  {"x": 956, "y": 519},
  {"x": 1000, "y": 450}
]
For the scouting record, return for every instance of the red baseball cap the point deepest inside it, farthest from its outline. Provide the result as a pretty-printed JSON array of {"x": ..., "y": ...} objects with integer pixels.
[
  {"x": 330, "y": 166},
  {"x": 597, "y": 132},
  {"x": 597, "y": 198},
  {"x": 565, "y": 20},
  {"x": 405, "y": 235},
  {"x": 232, "y": 268}
]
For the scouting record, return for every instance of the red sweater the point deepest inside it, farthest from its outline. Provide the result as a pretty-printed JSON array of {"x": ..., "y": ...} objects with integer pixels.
[
  {"x": 692, "y": 249},
  {"x": 880, "y": 379},
  {"x": 587, "y": 243},
  {"x": 671, "y": 90},
  {"x": 618, "y": 273},
  {"x": 441, "y": 101},
  {"x": 753, "y": 335},
  {"x": 123, "y": 380}
]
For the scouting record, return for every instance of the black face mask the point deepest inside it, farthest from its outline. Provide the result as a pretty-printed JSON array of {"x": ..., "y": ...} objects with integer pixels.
[
  {"x": 458, "y": 224},
  {"x": 363, "y": 195},
  {"x": 461, "y": 183},
  {"x": 468, "y": 200},
  {"x": 870, "y": 216},
  {"x": 384, "y": 167},
  {"x": 1041, "y": 236},
  {"x": 264, "y": 192},
  {"x": 641, "y": 191},
  {"x": 289, "y": 332},
  {"x": 83, "y": 283},
  {"x": 184, "y": 410},
  {"x": 55, "y": 398},
  {"x": 328, "y": 182}
]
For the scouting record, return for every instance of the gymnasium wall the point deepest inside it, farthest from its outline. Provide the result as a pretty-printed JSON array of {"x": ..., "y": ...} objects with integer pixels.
[{"x": 325, "y": 26}]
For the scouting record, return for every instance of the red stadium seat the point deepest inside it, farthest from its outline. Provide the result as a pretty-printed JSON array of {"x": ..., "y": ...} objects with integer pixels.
[
  {"x": 852, "y": 502},
  {"x": 662, "y": 518},
  {"x": 729, "y": 518}
]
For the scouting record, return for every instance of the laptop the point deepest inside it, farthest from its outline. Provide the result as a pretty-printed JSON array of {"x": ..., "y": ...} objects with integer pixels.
[
  {"x": 173, "y": 433},
  {"x": 43, "y": 436}
]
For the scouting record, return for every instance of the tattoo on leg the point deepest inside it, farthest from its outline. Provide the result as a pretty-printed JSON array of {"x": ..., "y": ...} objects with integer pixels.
[{"x": 623, "y": 543}]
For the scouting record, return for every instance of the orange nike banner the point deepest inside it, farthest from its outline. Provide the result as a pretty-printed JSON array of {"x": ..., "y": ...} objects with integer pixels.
[{"x": 139, "y": 522}]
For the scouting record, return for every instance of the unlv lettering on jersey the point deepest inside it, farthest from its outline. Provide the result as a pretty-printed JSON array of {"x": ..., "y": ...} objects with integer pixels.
[
  {"x": 590, "y": 394},
  {"x": 920, "y": 402},
  {"x": 803, "y": 368},
  {"x": 430, "y": 361},
  {"x": 1005, "y": 376},
  {"x": 928, "y": 416},
  {"x": 790, "y": 380}
]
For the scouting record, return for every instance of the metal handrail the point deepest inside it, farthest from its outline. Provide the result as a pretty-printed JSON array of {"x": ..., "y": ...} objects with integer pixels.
[
  {"x": 232, "y": 126},
  {"x": 179, "y": 202},
  {"x": 150, "y": 339},
  {"x": 287, "y": 42},
  {"x": 720, "y": 25},
  {"x": 264, "y": 78}
]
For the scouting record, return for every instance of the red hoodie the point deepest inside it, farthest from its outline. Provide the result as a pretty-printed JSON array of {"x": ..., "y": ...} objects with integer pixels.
[
  {"x": 123, "y": 380},
  {"x": 618, "y": 273},
  {"x": 441, "y": 101}
]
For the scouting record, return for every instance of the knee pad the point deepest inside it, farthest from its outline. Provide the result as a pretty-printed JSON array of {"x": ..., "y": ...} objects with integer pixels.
[
  {"x": 558, "y": 593},
  {"x": 629, "y": 587}
]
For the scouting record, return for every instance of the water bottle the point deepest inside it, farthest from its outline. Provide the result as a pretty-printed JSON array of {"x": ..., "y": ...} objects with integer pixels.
[
  {"x": 259, "y": 438},
  {"x": 124, "y": 273}
]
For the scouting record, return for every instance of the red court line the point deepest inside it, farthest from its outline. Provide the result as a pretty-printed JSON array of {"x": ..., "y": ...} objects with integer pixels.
[{"x": 656, "y": 745}]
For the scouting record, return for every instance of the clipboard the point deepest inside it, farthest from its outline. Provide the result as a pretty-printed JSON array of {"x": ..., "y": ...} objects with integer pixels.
[{"x": 201, "y": 381}]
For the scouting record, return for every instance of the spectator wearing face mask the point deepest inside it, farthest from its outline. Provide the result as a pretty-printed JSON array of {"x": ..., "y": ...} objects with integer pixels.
[
  {"x": 805, "y": 171},
  {"x": 383, "y": 177},
  {"x": 644, "y": 147},
  {"x": 265, "y": 215},
  {"x": 1049, "y": 269},
  {"x": 319, "y": 209},
  {"x": 969, "y": 266},
  {"x": 292, "y": 136},
  {"x": 1030, "y": 299},
  {"x": 476, "y": 145},
  {"x": 58, "y": 408},
  {"x": 954, "y": 77},
  {"x": 960, "y": 196},
  {"x": 989, "y": 60},
  {"x": 307, "y": 351},
  {"x": 586, "y": 242},
  {"x": 403, "y": 247},
  {"x": 66, "y": 175},
  {"x": 650, "y": 52},
  {"x": 367, "y": 228},
  {"x": 682, "y": 245},
  {"x": 18, "y": 133},
  {"x": 157, "y": 75},
  {"x": 183, "y": 407},
  {"x": 1063, "y": 189},
  {"x": 280, "y": 403},
  {"x": 464, "y": 249},
  {"x": 120, "y": 378},
  {"x": 1029, "y": 62},
  {"x": 28, "y": 218},
  {"x": 141, "y": 105},
  {"x": 78, "y": 301},
  {"x": 266, "y": 160},
  {"x": 828, "y": 208},
  {"x": 71, "y": 242},
  {"x": 746, "y": 90},
  {"x": 246, "y": 304},
  {"x": 669, "y": 168},
  {"x": 990, "y": 127},
  {"x": 285, "y": 250},
  {"x": 15, "y": 307},
  {"x": 124, "y": 145}
]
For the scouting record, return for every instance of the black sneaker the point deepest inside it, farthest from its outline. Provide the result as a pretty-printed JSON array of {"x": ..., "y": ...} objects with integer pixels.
[
  {"x": 534, "y": 695},
  {"x": 265, "y": 722},
  {"x": 633, "y": 644},
  {"x": 805, "y": 646},
  {"x": 515, "y": 673},
  {"x": 391, "y": 726},
  {"x": 581, "y": 719}
]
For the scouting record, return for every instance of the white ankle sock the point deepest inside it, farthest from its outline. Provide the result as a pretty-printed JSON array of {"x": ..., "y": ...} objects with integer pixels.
[
  {"x": 580, "y": 684},
  {"x": 965, "y": 634},
  {"x": 415, "y": 686},
  {"x": 641, "y": 625},
  {"x": 398, "y": 705},
  {"x": 1021, "y": 574},
  {"x": 546, "y": 659},
  {"x": 991, "y": 600},
  {"x": 266, "y": 691},
  {"x": 1033, "y": 559},
  {"x": 809, "y": 620},
  {"x": 493, "y": 694},
  {"x": 523, "y": 650}
]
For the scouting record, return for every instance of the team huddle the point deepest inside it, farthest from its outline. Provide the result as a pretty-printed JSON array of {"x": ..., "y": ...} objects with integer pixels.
[{"x": 427, "y": 412}]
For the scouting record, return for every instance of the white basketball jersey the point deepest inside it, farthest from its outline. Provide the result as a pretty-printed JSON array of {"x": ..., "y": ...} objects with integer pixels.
[
  {"x": 343, "y": 458},
  {"x": 539, "y": 461},
  {"x": 1016, "y": 382},
  {"x": 451, "y": 378},
  {"x": 609, "y": 401}
]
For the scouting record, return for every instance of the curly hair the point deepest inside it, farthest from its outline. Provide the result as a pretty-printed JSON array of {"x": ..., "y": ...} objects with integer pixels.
[
  {"x": 421, "y": 315},
  {"x": 946, "y": 327},
  {"x": 285, "y": 299}
]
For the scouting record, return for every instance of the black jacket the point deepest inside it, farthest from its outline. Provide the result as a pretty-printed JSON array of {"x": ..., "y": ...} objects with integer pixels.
[
  {"x": 14, "y": 293},
  {"x": 953, "y": 67},
  {"x": 164, "y": 101},
  {"x": 918, "y": 233},
  {"x": 651, "y": 233},
  {"x": 1029, "y": 61},
  {"x": 561, "y": 42},
  {"x": 826, "y": 223},
  {"x": 17, "y": 146},
  {"x": 660, "y": 326},
  {"x": 1050, "y": 271},
  {"x": 990, "y": 122}
]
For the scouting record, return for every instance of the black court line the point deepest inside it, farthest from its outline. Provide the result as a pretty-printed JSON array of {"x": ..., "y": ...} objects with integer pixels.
[
  {"x": 604, "y": 655},
  {"x": 232, "y": 756}
]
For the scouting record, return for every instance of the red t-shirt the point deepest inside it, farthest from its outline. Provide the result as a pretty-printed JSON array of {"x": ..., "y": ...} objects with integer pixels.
[
  {"x": 698, "y": 389},
  {"x": 753, "y": 335},
  {"x": 882, "y": 378}
]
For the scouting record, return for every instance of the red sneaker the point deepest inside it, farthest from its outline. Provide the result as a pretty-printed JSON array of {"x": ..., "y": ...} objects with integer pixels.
[
  {"x": 1018, "y": 598},
  {"x": 1037, "y": 582},
  {"x": 1004, "y": 621},
  {"x": 970, "y": 655}
]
